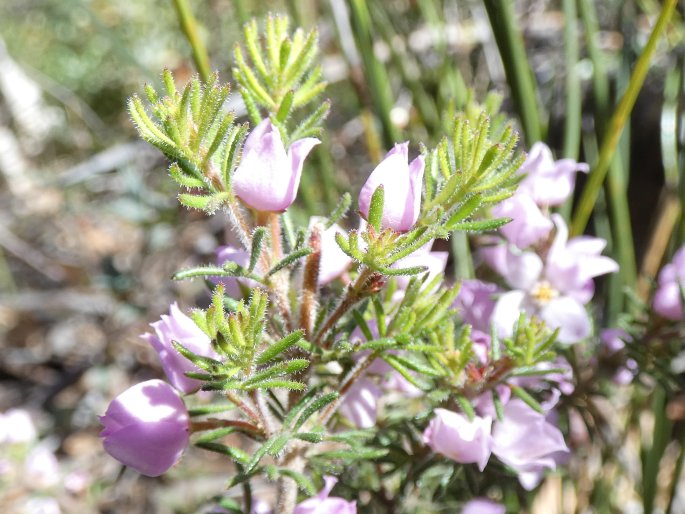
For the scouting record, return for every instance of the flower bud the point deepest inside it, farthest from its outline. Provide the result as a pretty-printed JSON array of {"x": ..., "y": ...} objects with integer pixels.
[
  {"x": 402, "y": 186},
  {"x": 146, "y": 427},
  {"x": 268, "y": 177}
]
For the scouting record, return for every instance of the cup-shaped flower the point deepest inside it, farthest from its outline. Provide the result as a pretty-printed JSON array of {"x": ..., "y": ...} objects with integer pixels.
[
  {"x": 146, "y": 427},
  {"x": 268, "y": 176},
  {"x": 525, "y": 441},
  {"x": 180, "y": 328},
  {"x": 547, "y": 181},
  {"x": 401, "y": 182},
  {"x": 322, "y": 503},
  {"x": 454, "y": 436},
  {"x": 668, "y": 297}
]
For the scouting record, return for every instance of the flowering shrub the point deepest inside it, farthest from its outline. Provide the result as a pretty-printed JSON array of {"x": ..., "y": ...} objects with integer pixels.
[{"x": 350, "y": 352}]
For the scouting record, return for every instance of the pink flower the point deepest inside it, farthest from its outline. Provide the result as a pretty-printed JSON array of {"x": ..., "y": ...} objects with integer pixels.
[
  {"x": 554, "y": 290},
  {"x": 402, "y": 185},
  {"x": 667, "y": 299},
  {"x": 476, "y": 302},
  {"x": 268, "y": 177},
  {"x": 180, "y": 328},
  {"x": 334, "y": 262},
  {"x": 435, "y": 263},
  {"x": 322, "y": 503},
  {"x": 548, "y": 182},
  {"x": 614, "y": 339},
  {"x": 454, "y": 436},
  {"x": 526, "y": 442},
  {"x": 234, "y": 287},
  {"x": 360, "y": 405},
  {"x": 146, "y": 427},
  {"x": 528, "y": 224},
  {"x": 483, "y": 506}
]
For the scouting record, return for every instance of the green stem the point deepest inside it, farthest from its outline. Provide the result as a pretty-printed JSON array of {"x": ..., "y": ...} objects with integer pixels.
[
  {"x": 519, "y": 75},
  {"x": 617, "y": 122},
  {"x": 189, "y": 26},
  {"x": 572, "y": 125},
  {"x": 374, "y": 70}
]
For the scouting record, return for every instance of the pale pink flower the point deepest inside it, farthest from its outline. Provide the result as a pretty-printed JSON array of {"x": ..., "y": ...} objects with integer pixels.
[
  {"x": 360, "y": 405},
  {"x": 476, "y": 302},
  {"x": 454, "y": 436},
  {"x": 146, "y": 427},
  {"x": 668, "y": 297},
  {"x": 402, "y": 187},
  {"x": 483, "y": 506},
  {"x": 235, "y": 287},
  {"x": 526, "y": 442},
  {"x": 548, "y": 182},
  {"x": 554, "y": 290},
  {"x": 528, "y": 224},
  {"x": 334, "y": 262},
  {"x": 268, "y": 177},
  {"x": 182, "y": 329},
  {"x": 322, "y": 503},
  {"x": 434, "y": 262}
]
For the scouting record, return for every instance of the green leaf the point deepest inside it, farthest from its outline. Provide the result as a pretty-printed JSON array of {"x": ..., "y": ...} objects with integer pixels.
[
  {"x": 278, "y": 369},
  {"x": 315, "y": 406},
  {"x": 481, "y": 225},
  {"x": 279, "y": 347},
  {"x": 303, "y": 482},
  {"x": 288, "y": 260},
  {"x": 256, "y": 249},
  {"x": 236, "y": 454},
  {"x": 340, "y": 209},
  {"x": 527, "y": 398},
  {"x": 206, "y": 363},
  {"x": 376, "y": 208}
]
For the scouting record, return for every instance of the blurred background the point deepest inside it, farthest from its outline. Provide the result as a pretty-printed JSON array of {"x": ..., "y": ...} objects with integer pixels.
[{"x": 90, "y": 230}]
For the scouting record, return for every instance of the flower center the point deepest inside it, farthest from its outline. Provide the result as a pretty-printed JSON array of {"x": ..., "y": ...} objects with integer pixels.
[{"x": 543, "y": 292}]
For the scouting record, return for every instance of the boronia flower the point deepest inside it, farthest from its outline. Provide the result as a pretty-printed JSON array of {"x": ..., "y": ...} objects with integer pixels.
[
  {"x": 454, "y": 436},
  {"x": 556, "y": 289},
  {"x": 528, "y": 224},
  {"x": 146, "y": 427},
  {"x": 322, "y": 503},
  {"x": 526, "y": 442},
  {"x": 402, "y": 186},
  {"x": 668, "y": 297},
  {"x": 547, "y": 181},
  {"x": 180, "y": 328},
  {"x": 268, "y": 177}
]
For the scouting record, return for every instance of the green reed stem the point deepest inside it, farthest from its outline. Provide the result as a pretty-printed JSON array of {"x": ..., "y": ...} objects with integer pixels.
[
  {"x": 572, "y": 120},
  {"x": 190, "y": 28},
  {"x": 374, "y": 71},
  {"x": 617, "y": 122},
  {"x": 516, "y": 66}
]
